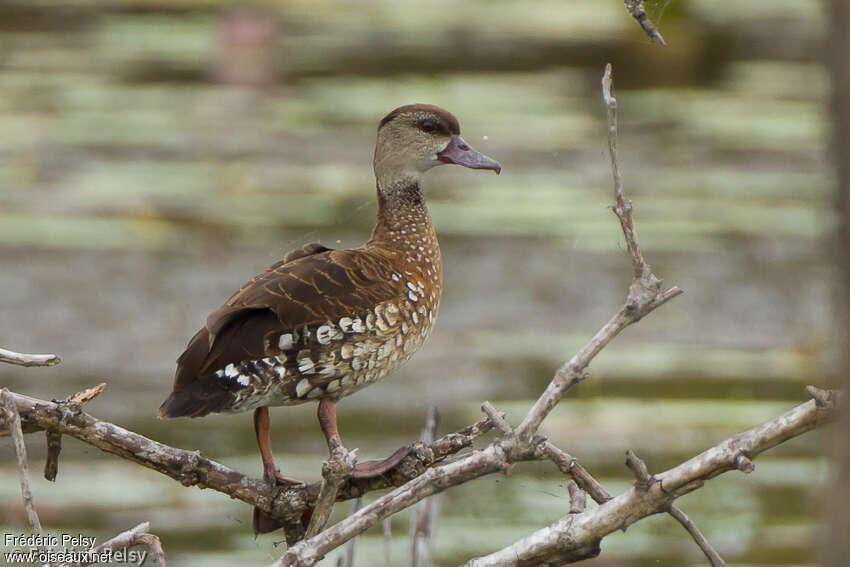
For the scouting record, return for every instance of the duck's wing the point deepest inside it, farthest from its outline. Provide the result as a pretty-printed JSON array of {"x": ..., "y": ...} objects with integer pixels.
[{"x": 309, "y": 287}]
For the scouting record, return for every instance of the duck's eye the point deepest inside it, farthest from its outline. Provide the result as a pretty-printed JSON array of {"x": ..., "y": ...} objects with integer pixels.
[{"x": 427, "y": 125}]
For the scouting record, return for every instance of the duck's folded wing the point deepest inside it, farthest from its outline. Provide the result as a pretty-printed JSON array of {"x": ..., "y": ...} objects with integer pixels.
[{"x": 308, "y": 288}]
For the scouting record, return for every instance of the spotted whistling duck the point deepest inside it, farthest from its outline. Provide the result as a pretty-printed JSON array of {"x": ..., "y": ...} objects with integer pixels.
[{"x": 323, "y": 323}]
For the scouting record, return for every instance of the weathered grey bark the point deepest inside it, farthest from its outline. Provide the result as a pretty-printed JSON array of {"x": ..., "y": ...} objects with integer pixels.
[
  {"x": 192, "y": 469},
  {"x": 838, "y": 549},
  {"x": 575, "y": 533}
]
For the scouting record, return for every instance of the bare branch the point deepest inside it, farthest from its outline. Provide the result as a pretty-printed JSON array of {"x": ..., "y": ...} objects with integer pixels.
[
  {"x": 388, "y": 543},
  {"x": 644, "y": 295},
  {"x": 712, "y": 555},
  {"x": 131, "y": 538},
  {"x": 645, "y": 481},
  {"x": 14, "y": 422},
  {"x": 21, "y": 359},
  {"x": 568, "y": 465},
  {"x": 347, "y": 560},
  {"x": 635, "y": 8},
  {"x": 498, "y": 418},
  {"x": 335, "y": 471},
  {"x": 493, "y": 458},
  {"x": 54, "y": 447},
  {"x": 578, "y": 498},
  {"x": 286, "y": 503},
  {"x": 423, "y": 515},
  {"x": 638, "y": 468},
  {"x": 574, "y": 532}
]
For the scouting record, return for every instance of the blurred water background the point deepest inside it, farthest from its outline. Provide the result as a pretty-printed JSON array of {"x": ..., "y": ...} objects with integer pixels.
[{"x": 156, "y": 154}]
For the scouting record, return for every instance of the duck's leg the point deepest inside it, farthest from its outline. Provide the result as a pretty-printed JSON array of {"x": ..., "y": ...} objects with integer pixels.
[
  {"x": 262, "y": 522},
  {"x": 367, "y": 469},
  {"x": 262, "y": 427}
]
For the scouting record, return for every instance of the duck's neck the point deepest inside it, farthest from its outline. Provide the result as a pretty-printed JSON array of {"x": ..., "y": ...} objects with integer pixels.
[{"x": 404, "y": 225}]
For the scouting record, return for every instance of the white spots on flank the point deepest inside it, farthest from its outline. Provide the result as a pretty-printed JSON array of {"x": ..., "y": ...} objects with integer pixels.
[
  {"x": 285, "y": 342},
  {"x": 395, "y": 276},
  {"x": 230, "y": 371},
  {"x": 327, "y": 333},
  {"x": 243, "y": 380},
  {"x": 302, "y": 387},
  {"x": 323, "y": 334},
  {"x": 413, "y": 297},
  {"x": 306, "y": 366},
  {"x": 414, "y": 317}
]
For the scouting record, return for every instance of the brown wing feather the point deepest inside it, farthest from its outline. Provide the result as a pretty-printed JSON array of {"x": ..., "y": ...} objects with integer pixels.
[{"x": 309, "y": 287}]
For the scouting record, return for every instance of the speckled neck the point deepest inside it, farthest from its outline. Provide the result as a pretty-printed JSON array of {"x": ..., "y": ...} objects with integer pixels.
[
  {"x": 404, "y": 227},
  {"x": 402, "y": 214}
]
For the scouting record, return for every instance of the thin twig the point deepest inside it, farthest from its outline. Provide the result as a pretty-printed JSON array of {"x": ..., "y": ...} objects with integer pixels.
[
  {"x": 568, "y": 465},
  {"x": 21, "y": 359},
  {"x": 638, "y": 468},
  {"x": 73, "y": 404},
  {"x": 134, "y": 536},
  {"x": 644, "y": 296},
  {"x": 54, "y": 447},
  {"x": 645, "y": 481},
  {"x": 622, "y": 206},
  {"x": 425, "y": 511},
  {"x": 14, "y": 422},
  {"x": 388, "y": 542},
  {"x": 347, "y": 560},
  {"x": 637, "y": 11},
  {"x": 498, "y": 418},
  {"x": 578, "y": 498},
  {"x": 712, "y": 555}
]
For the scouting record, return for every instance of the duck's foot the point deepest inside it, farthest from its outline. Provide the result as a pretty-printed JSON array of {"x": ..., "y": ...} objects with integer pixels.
[
  {"x": 371, "y": 469},
  {"x": 262, "y": 522}
]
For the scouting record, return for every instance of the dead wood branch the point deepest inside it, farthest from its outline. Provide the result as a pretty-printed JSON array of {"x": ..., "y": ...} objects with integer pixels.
[
  {"x": 347, "y": 560},
  {"x": 425, "y": 511},
  {"x": 644, "y": 481},
  {"x": 191, "y": 468},
  {"x": 335, "y": 471},
  {"x": 388, "y": 542},
  {"x": 21, "y": 359},
  {"x": 712, "y": 555},
  {"x": 568, "y": 465},
  {"x": 13, "y": 419},
  {"x": 578, "y": 531},
  {"x": 637, "y": 11},
  {"x": 578, "y": 498},
  {"x": 131, "y": 538},
  {"x": 644, "y": 296}
]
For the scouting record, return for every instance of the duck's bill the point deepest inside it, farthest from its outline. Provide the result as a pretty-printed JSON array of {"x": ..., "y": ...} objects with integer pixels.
[{"x": 461, "y": 153}]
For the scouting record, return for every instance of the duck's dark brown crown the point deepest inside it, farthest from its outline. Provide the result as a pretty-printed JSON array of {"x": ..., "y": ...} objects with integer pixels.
[{"x": 446, "y": 120}]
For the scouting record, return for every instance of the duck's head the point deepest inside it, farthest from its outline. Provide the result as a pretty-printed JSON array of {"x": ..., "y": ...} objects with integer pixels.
[{"x": 414, "y": 138}]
